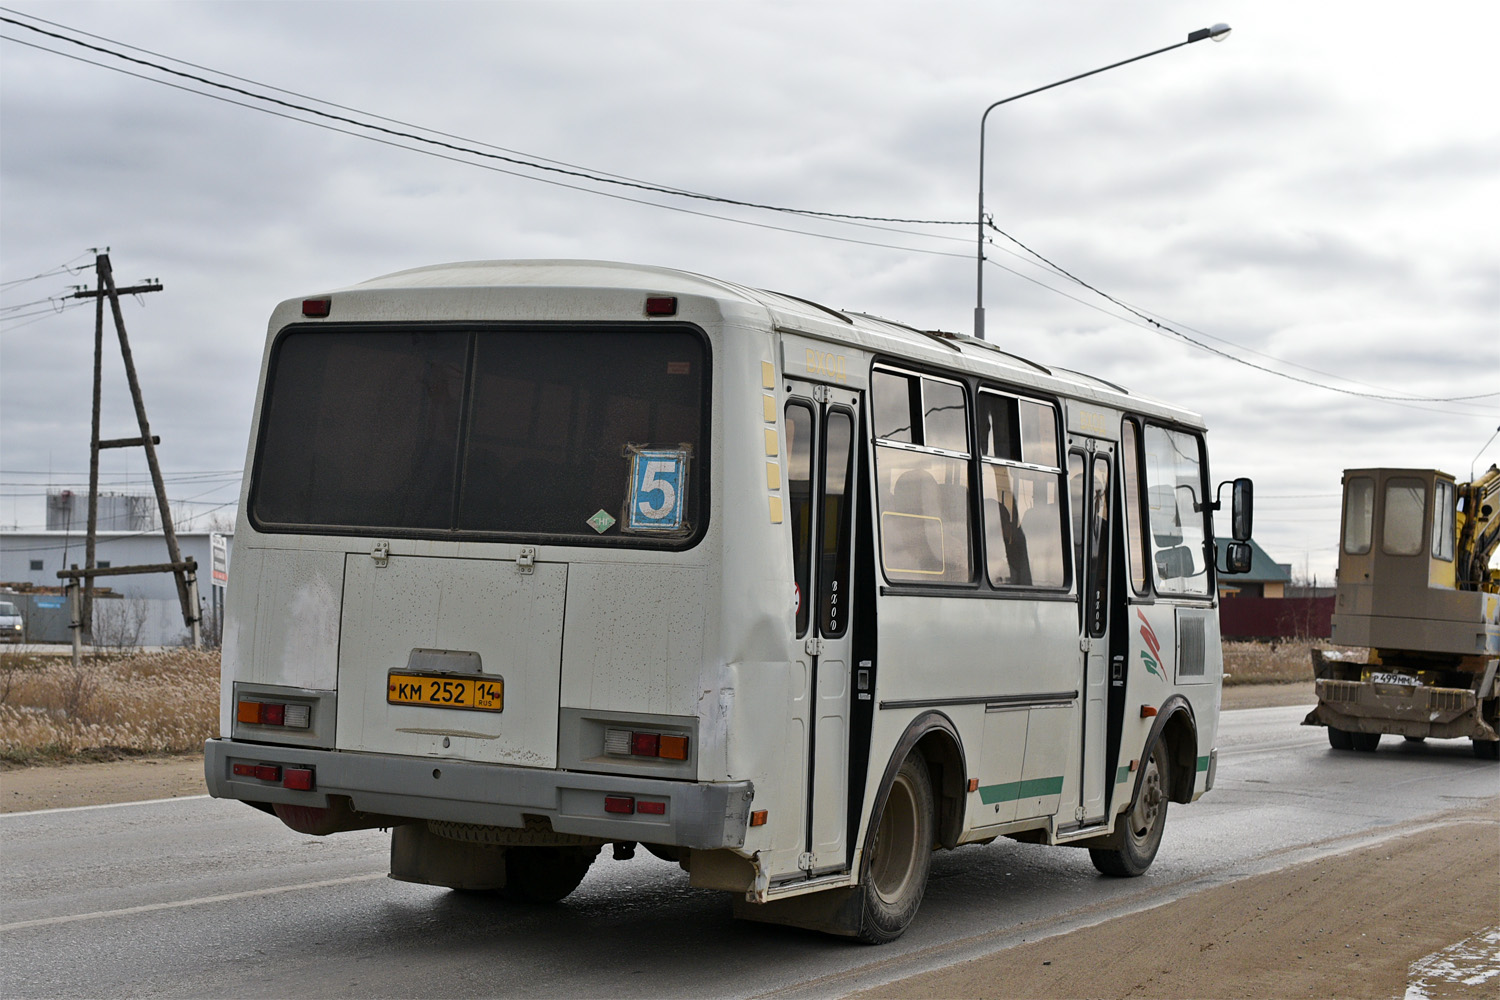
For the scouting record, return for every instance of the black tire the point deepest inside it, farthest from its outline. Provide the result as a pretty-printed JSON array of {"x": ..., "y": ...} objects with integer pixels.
[
  {"x": 1366, "y": 742},
  {"x": 893, "y": 876},
  {"x": 1486, "y": 749},
  {"x": 1141, "y": 827},
  {"x": 545, "y": 874},
  {"x": 1339, "y": 739}
]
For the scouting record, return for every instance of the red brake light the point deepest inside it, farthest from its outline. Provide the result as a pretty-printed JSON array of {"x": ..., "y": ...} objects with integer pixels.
[
  {"x": 273, "y": 715},
  {"x": 298, "y": 778},
  {"x": 661, "y": 305},
  {"x": 316, "y": 307},
  {"x": 651, "y": 808},
  {"x": 645, "y": 744},
  {"x": 619, "y": 804}
]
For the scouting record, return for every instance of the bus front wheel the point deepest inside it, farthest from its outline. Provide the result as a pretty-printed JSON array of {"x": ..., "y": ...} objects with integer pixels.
[
  {"x": 898, "y": 859},
  {"x": 1141, "y": 828}
]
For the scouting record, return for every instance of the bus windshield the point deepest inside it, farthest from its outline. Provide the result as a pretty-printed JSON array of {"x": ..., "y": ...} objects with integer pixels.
[{"x": 444, "y": 430}]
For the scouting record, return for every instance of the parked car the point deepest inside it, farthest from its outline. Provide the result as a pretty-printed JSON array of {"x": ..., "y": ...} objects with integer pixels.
[{"x": 12, "y": 628}]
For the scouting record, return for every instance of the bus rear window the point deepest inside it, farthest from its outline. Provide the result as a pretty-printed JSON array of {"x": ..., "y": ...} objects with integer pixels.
[{"x": 485, "y": 431}]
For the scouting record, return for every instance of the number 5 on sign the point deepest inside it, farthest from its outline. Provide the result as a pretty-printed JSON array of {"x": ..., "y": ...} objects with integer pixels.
[{"x": 657, "y": 479}]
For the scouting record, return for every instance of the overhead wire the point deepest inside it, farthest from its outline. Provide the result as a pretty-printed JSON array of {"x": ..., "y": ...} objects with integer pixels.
[
  {"x": 1169, "y": 329},
  {"x": 515, "y": 173},
  {"x": 532, "y": 162},
  {"x": 517, "y": 160}
]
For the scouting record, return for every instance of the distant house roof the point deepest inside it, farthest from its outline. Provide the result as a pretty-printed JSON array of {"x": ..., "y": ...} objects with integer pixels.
[{"x": 1263, "y": 569}]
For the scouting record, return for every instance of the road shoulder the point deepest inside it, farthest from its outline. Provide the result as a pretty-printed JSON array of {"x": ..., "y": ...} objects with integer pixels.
[
  {"x": 1350, "y": 925},
  {"x": 60, "y": 786}
]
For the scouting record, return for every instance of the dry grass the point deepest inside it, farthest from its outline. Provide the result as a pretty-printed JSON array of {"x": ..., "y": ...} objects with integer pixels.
[
  {"x": 166, "y": 703},
  {"x": 115, "y": 706}
]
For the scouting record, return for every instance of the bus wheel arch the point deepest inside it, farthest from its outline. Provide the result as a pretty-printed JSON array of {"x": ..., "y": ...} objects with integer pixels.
[
  {"x": 1177, "y": 729},
  {"x": 936, "y": 737},
  {"x": 919, "y": 808}
]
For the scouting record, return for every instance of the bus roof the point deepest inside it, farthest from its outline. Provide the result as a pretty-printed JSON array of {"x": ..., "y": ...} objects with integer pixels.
[{"x": 787, "y": 313}]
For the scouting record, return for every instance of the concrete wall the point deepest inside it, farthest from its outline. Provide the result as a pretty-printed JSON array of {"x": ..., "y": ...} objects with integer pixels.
[{"x": 147, "y": 600}]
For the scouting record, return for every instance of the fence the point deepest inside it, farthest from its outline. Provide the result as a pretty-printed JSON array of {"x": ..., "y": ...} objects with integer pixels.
[{"x": 1275, "y": 618}]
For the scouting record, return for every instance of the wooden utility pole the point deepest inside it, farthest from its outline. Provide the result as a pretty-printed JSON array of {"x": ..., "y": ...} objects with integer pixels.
[{"x": 184, "y": 572}]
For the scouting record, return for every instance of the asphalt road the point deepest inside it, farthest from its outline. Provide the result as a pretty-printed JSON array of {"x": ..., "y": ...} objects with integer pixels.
[{"x": 204, "y": 898}]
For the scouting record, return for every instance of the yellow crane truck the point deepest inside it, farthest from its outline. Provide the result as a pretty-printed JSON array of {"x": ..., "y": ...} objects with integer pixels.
[{"x": 1415, "y": 587}]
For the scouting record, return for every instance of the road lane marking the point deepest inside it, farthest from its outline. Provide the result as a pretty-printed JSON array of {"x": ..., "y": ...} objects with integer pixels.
[
  {"x": 178, "y": 904},
  {"x": 102, "y": 805}
]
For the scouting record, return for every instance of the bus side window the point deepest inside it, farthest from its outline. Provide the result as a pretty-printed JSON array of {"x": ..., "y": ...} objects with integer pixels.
[
  {"x": 833, "y": 553},
  {"x": 1178, "y": 517},
  {"x": 799, "y": 432},
  {"x": 922, "y": 474},
  {"x": 1135, "y": 540},
  {"x": 1022, "y": 504}
]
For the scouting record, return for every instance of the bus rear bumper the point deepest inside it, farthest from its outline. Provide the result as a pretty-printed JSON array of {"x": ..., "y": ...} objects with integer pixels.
[{"x": 699, "y": 815}]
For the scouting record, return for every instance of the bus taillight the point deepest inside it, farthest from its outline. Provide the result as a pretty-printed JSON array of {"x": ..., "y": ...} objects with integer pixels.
[
  {"x": 664, "y": 746},
  {"x": 259, "y": 713}
]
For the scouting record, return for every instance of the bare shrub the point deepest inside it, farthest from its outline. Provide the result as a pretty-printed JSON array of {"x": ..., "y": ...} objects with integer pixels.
[{"x": 118, "y": 623}]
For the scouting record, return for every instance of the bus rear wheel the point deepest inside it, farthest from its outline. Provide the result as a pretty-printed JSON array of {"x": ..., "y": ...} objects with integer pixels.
[
  {"x": 544, "y": 874},
  {"x": 900, "y": 854},
  {"x": 1140, "y": 836}
]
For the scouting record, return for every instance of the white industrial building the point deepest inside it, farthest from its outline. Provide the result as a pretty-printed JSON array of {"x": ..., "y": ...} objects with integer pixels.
[{"x": 31, "y": 559}]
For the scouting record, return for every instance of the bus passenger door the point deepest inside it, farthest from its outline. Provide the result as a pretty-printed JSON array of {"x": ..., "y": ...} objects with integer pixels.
[
  {"x": 820, "y": 430},
  {"x": 1090, "y": 486}
]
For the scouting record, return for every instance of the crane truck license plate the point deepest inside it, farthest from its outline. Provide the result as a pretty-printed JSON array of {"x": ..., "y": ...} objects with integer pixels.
[
  {"x": 1382, "y": 677},
  {"x": 479, "y": 694}
]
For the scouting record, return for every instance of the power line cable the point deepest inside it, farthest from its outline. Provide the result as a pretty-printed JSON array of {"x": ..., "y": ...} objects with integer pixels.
[
  {"x": 514, "y": 173},
  {"x": 530, "y": 163},
  {"x": 541, "y": 163},
  {"x": 1163, "y": 333},
  {"x": 60, "y": 269},
  {"x": 1225, "y": 354}
]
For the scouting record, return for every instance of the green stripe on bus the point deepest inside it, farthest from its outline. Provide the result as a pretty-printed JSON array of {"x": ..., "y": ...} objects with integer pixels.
[
  {"x": 1203, "y": 763},
  {"x": 1012, "y": 790}
]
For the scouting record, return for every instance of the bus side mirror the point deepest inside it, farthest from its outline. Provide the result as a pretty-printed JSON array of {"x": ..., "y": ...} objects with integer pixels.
[
  {"x": 1236, "y": 558},
  {"x": 1241, "y": 507},
  {"x": 1242, "y": 512}
]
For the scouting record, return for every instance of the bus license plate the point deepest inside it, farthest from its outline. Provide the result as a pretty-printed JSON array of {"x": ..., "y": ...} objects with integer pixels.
[
  {"x": 478, "y": 694},
  {"x": 1405, "y": 680}
]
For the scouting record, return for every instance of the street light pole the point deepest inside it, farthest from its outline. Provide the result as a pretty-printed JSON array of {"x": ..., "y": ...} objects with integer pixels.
[{"x": 1218, "y": 32}]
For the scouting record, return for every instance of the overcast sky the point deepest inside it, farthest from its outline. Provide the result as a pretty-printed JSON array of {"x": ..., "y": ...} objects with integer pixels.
[{"x": 1317, "y": 195}]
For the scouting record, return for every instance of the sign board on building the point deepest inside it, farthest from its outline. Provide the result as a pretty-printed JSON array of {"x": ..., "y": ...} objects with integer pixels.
[{"x": 219, "y": 555}]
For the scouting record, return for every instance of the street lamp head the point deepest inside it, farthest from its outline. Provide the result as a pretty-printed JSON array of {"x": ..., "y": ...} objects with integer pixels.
[{"x": 1218, "y": 33}]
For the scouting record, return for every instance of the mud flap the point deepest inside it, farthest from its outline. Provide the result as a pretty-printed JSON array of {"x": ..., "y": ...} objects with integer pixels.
[
  {"x": 419, "y": 855},
  {"x": 832, "y": 911}
]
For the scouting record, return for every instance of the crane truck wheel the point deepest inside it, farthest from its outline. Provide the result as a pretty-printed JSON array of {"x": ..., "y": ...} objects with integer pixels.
[
  {"x": 1339, "y": 739},
  {"x": 1486, "y": 749},
  {"x": 1366, "y": 742}
]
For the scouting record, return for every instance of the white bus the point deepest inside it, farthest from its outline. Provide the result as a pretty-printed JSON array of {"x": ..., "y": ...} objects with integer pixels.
[{"x": 537, "y": 557}]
